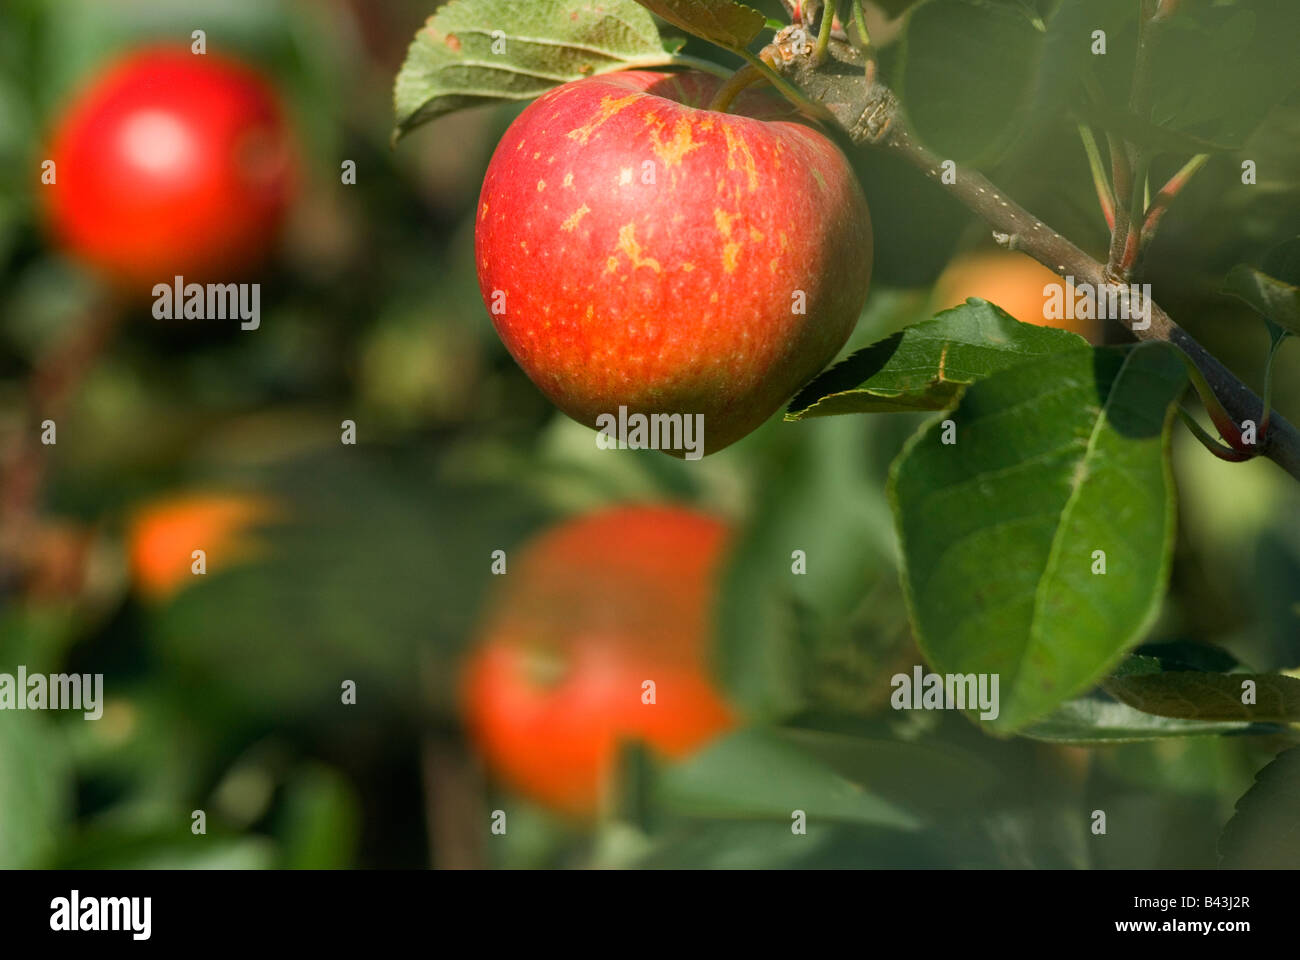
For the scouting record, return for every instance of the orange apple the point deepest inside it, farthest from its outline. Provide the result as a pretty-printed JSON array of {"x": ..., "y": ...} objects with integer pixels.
[{"x": 1012, "y": 281}]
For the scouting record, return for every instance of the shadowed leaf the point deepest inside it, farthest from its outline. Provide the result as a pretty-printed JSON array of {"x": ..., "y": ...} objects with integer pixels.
[
  {"x": 926, "y": 366},
  {"x": 1094, "y": 720},
  {"x": 723, "y": 22},
  {"x": 1194, "y": 695}
]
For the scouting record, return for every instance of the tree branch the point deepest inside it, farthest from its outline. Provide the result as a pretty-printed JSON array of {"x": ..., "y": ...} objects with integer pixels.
[
  {"x": 50, "y": 391},
  {"x": 871, "y": 115}
]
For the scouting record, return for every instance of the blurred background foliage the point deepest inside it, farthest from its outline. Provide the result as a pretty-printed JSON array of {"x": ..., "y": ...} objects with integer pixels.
[{"x": 224, "y": 695}]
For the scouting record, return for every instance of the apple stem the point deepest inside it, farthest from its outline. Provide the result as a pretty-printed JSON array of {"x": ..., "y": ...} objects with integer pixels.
[
  {"x": 746, "y": 76},
  {"x": 764, "y": 64}
]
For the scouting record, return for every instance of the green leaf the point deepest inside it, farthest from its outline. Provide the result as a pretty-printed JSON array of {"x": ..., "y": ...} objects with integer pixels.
[
  {"x": 35, "y": 789},
  {"x": 1273, "y": 291},
  {"x": 724, "y": 22},
  {"x": 480, "y": 51},
  {"x": 1138, "y": 666},
  {"x": 1095, "y": 720},
  {"x": 1144, "y": 133},
  {"x": 967, "y": 76},
  {"x": 926, "y": 366},
  {"x": 822, "y": 495},
  {"x": 1217, "y": 71},
  {"x": 917, "y": 776},
  {"x": 1180, "y": 655},
  {"x": 320, "y": 820},
  {"x": 767, "y": 774},
  {"x": 1053, "y": 461},
  {"x": 1194, "y": 695},
  {"x": 1264, "y": 833},
  {"x": 1283, "y": 262},
  {"x": 138, "y": 847}
]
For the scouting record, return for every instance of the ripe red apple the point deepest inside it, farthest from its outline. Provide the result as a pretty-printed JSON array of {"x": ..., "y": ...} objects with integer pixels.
[
  {"x": 635, "y": 249},
  {"x": 170, "y": 163},
  {"x": 589, "y": 611}
]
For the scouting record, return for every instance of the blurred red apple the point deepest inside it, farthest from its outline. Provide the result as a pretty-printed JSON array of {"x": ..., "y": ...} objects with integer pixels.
[
  {"x": 170, "y": 163},
  {"x": 589, "y": 612}
]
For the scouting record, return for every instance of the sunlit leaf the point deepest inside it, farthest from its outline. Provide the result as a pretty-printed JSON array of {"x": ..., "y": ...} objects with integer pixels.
[
  {"x": 481, "y": 51},
  {"x": 1051, "y": 462}
]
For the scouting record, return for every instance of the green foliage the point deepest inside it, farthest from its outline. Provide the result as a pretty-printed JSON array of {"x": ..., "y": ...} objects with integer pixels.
[
  {"x": 1053, "y": 461},
  {"x": 968, "y": 74},
  {"x": 1218, "y": 69},
  {"x": 225, "y": 696},
  {"x": 1215, "y": 71},
  {"x": 1094, "y": 720},
  {"x": 926, "y": 366},
  {"x": 35, "y": 790},
  {"x": 825, "y": 502},
  {"x": 1210, "y": 697},
  {"x": 359, "y": 595},
  {"x": 322, "y": 820},
  {"x": 769, "y": 774},
  {"x": 725, "y": 22},
  {"x": 473, "y": 52},
  {"x": 1273, "y": 291}
]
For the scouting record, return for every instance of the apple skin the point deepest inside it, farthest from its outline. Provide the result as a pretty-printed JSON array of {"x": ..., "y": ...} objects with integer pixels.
[{"x": 677, "y": 296}]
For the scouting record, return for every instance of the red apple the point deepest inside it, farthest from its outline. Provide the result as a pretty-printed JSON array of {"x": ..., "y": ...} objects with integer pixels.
[
  {"x": 635, "y": 249},
  {"x": 589, "y": 611},
  {"x": 170, "y": 163}
]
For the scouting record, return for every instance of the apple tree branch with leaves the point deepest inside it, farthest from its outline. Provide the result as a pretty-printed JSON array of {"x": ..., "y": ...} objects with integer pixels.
[{"x": 1036, "y": 512}]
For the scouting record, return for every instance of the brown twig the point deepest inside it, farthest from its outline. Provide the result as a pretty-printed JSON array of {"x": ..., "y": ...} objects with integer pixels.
[
  {"x": 51, "y": 388},
  {"x": 870, "y": 115},
  {"x": 454, "y": 810}
]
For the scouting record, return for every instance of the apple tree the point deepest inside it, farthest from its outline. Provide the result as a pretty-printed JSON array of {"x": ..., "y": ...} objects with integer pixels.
[{"x": 676, "y": 226}]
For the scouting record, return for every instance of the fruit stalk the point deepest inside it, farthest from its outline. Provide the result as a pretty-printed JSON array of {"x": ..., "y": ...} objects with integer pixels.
[{"x": 746, "y": 76}]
